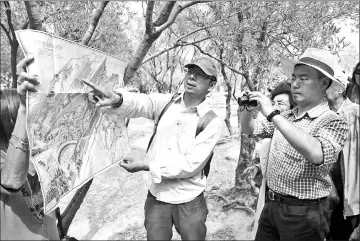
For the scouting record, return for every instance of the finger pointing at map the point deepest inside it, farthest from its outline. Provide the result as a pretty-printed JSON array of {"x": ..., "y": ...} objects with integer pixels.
[{"x": 105, "y": 97}]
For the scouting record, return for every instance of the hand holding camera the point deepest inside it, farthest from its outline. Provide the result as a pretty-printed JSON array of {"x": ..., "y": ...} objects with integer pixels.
[{"x": 256, "y": 100}]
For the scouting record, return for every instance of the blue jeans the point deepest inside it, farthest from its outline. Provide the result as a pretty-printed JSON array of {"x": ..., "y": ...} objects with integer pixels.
[
  {"x": 189, "y": 219},
  {"x": 280, "y": 221}
]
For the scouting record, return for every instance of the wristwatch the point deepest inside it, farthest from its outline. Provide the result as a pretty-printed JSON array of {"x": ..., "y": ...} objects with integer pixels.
[
  {"x": 119, "y": 103},
  {"x": 272, "y": 114}
]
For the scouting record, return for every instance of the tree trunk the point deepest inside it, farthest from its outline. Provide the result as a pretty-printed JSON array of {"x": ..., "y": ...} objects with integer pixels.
[
  {"x": 139, "y": 55},
  {"x": 35, "y": 16},
  {"x": 227, "y": 102},
  {"x": 14, "y": 49},
  {"x": 94, "y": 22}
]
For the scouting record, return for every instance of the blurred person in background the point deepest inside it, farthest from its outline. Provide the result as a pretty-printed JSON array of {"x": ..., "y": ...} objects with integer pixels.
[
  {"x": 353, "y": 88},
  {"x": 345, "y": 173}
]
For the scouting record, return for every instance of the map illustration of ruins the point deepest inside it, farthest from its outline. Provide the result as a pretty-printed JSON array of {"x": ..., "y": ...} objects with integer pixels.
[{"x": 71, "y": 139}]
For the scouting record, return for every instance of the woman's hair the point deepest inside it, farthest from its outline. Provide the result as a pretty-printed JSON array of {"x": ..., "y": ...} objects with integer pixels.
[
  {"x": 9, "y": 106},
  {"x": 353, "y": 74},
  {"x": 283, "y": 88}
]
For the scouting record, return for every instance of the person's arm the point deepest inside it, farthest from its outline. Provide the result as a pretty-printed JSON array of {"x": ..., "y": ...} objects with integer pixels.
[
  {"x": 193, "y": 161},
  {"x": 140, "y": 105},
  {"x": 318, "y": 149},
  {"x": 16, "y": 166},
  {"x": 322, "y": 148},
  {"x": 128, "y": 104},
  {"x": 247, "y": 122}
]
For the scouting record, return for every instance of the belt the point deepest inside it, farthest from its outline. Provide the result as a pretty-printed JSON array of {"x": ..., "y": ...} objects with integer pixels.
[{"x": 276, "y": 197}]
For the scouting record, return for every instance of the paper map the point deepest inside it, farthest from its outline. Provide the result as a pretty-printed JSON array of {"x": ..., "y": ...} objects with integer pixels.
[{"x": 71, "y": 140}]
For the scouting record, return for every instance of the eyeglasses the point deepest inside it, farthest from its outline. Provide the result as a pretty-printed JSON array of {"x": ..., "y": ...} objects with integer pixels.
[
  {"x": 298, "y": 80},
  {"x": 196, "y": 72},
  {"x": 275, "y": 103}
]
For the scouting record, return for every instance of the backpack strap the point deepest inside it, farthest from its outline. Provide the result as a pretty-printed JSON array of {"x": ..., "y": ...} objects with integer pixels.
[
  {"x": 203, "y": 122},
  {"x": 161, "y": 114}
]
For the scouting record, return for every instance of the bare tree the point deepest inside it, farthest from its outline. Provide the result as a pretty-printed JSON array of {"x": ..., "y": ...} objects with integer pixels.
[
  {"x": 14, "y": 44},
  {"x": 153, "y": 29}
]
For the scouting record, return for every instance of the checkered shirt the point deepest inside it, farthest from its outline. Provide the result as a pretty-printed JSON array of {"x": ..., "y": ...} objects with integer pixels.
[{"x": 288, "y": 171}]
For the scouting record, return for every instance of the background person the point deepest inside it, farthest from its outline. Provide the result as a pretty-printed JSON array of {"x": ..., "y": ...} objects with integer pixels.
[{"x": 345, "y": 172}]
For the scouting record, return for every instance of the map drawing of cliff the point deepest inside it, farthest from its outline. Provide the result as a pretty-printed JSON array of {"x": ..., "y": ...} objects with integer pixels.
[{"x": 71, "y": 140}]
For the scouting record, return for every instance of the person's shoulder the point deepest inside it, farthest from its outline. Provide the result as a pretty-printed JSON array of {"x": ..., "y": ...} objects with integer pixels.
[{"x": 351, "y": 108}]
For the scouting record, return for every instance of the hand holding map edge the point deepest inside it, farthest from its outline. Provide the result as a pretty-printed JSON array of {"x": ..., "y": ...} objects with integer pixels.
[
  {"x": 26, "y": 82},
  {"x": 101, "y": 96}
]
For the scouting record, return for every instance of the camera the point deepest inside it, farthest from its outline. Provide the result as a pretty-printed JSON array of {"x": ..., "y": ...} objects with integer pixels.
[{"x": 244, "y": 101}]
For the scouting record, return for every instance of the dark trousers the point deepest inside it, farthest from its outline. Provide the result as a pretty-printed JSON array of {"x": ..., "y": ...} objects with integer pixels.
[
  {"x": 280, "y": 221},
  {"x": 340, "y": 228},
  {"x": 189, "y": 219}
]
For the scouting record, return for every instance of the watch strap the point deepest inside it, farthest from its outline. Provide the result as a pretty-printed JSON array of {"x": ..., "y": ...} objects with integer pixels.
[
  {"x": 118, "y": 104},
  {"x": 272, "y": 114}
]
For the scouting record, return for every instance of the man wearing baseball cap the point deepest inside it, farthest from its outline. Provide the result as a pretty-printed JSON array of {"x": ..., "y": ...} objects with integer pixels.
[
  {"x": 306, "y": 140},
  {"x": 345, "y": 173},
  {"x": 177, "y": 153}
]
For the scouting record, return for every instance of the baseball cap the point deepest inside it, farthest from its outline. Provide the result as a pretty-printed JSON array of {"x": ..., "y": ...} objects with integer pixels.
[{"x": 205, "y": 64}]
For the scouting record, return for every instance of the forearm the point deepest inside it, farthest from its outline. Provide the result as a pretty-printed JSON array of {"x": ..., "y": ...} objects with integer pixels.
[
  {"x": 16, "y": 166},
  {"x": 141, "y": 105},
  {"x": 247, "y": 122},
  {"x": 304, "y": 143}
]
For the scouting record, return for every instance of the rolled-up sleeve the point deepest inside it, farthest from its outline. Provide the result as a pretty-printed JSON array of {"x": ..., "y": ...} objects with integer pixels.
[
  {"x": 193, "y": 161},
  {"x": 332, "y": 136}
]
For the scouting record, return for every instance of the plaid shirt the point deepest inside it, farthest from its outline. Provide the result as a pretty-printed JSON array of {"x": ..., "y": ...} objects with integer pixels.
[{"x": 288, "y": 172}]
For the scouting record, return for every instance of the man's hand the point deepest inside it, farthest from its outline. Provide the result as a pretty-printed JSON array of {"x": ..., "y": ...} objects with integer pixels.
[
  {"x": 265, "y": 103},
  {"x": 101, "y": 96},
  {"x": 253, "y": 171},
  {"x": 132, "y": 165}
]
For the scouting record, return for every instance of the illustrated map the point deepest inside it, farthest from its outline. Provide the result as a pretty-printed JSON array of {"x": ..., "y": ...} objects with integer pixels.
[{"x": 71, "y": 140}]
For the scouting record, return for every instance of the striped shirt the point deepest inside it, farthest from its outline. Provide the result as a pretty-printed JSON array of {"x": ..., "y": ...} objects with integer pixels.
[{"x": 288, "y": 171}]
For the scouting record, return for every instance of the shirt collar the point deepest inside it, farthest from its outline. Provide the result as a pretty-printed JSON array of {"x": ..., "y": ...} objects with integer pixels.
[
  {"x": 314, "y": 112},
  {"x": 201, "y": 109}
]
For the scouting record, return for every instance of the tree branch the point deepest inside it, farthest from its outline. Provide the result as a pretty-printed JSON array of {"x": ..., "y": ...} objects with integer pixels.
[
  {"x": 165, "y": 13},
  {"x": 219, "y": 60},
  {"x": 11, "y": 26},
  {"x": 94, "y": 22},
  {"x": 173, "y": 16},
  {"x": 7, "y": 32},
  {"x": 34, "y": 14},
  {"x": 172, "y": 47},
  {"x": 148, "y": 17}
]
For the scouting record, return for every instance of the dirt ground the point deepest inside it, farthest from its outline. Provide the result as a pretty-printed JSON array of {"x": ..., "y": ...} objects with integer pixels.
[{"x": 114, "y": 206}]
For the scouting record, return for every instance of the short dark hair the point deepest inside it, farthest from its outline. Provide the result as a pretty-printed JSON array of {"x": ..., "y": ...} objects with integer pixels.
[
  {"x": 10, "y": 102},
  {"x": 283, "y": 88}
]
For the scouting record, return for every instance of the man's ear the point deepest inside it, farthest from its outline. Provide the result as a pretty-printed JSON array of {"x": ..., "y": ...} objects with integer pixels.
[
  {"x": 325, "y": 83},
  {"x": 212, "y": 85}
]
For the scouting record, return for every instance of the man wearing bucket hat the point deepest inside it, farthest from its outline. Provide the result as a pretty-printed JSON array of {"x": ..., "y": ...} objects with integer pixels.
[
  {"x": 176, "y": 156},
  {"x": 345, "y": 172},
  {"x": 306, "y": 140}
]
